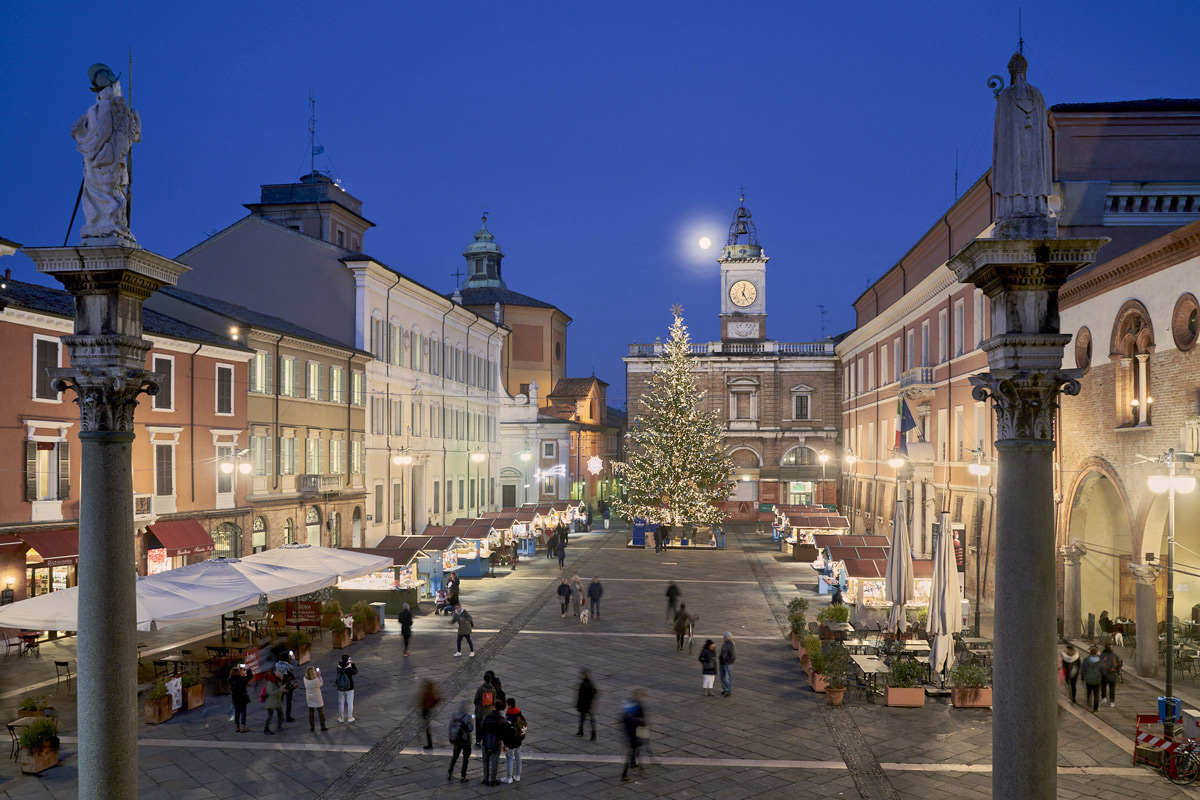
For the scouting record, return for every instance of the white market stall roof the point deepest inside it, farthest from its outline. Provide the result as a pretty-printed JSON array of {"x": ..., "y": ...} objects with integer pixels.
[{"x": 338, "y": 564}]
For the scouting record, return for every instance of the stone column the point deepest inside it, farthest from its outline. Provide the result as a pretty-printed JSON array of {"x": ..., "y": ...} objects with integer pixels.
[
  {"x": 107, "y": 373},
  {"x": 1142, "y": 394},
  {"x": 1146, "y": 618},
  {"x": 1022, "y": 277},
  {"x": 1072, "y": 554}
]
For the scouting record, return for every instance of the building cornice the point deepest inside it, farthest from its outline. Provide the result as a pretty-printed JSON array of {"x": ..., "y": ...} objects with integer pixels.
[
  {"x": 1162, "y": 253},
  {"x": 934, "y": 287}
]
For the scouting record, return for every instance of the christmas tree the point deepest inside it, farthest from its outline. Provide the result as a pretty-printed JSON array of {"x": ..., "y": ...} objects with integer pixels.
[{"x": 677, "y": 470}]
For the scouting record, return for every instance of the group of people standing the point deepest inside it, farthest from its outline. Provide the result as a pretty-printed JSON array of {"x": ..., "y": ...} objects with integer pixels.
[
  {"x": 496, "y": 724},
  {"x": 279, "y": 684},
  {"x": 584, "y": 603}
]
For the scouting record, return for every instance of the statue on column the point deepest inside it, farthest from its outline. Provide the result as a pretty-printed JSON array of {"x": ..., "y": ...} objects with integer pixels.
[
  {"x": 103, "y": 135},
  {"x": 1021, "y": 157}
]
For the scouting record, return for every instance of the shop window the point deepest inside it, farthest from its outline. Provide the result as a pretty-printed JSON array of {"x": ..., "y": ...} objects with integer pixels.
[
  {"x": 312, "y": 526},
  {"x": 47, "y": 355},
  {"x": 258, "y": 538},
  {"x": 165, "y": 399},
  {"x": 1185, "y": 322},
  {"x": 227, "y": 541},
  {"x": 800, "y": 456}
]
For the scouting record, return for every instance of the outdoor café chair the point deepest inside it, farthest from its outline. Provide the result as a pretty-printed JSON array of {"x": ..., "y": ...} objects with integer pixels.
[
  {"x": 62, "y": 669},
  {"x": 11, "y": 643}
]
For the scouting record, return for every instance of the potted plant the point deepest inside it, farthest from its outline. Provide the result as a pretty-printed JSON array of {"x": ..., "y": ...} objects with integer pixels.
[
  {"x": 823, "y": 661},
  {"x": 39, "y": 746},
  {"x": 970, "y": 686},
  {"x": 831, "y": 614},
  {"x": 31, "y": 706},
  {"x": 809, "y": 644},
  {"x": 370, "y": 620},
  {"x": 796, "y": 608},
  {"x": 329, "y": 612},
  {"x": 359, "y": 628},
  {"x": 340, "y": 633},
  {"x": 158, "y": 704},
  {"x": 904, "y": 689},
  {"x": 277, "y": 612},
  {"x": 193, "y": 691},
  {"x": 300, "y": 644},
  {"x": 835, "y": 667}
]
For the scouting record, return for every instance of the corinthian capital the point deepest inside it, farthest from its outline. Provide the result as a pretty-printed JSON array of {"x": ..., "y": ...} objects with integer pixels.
[
  {"x": 107, "y": 397},
  {"x": 1145, "y": 573},
  {"x": 1072, "y": 553},
  {"x": 1025, "y": 401}
]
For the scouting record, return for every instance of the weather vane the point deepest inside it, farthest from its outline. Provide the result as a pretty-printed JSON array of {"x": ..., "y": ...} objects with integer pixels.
[{"x": 677, "y": 310}]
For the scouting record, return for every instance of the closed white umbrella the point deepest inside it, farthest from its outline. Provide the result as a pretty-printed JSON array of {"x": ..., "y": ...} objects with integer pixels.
[
  {"x": 899, "y": 586},
  {"x": 945, "y": 601},
  {"x": 332, "y": 561}
]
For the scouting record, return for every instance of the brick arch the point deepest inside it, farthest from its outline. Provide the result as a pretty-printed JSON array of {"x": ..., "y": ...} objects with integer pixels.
[
  {"x": 1133, "y": 331},
  {"x": 739, "y": 456},
  {"x": 1089, "y": 465}
]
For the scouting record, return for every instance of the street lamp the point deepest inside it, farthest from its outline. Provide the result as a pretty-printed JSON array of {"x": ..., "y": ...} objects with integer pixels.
[
  {"x": 849, "y": 459},
  {"x": 823, "y": 457},
  {"x": 1171, "y": 484},
  {"x": 478, "y": 457},
  {"x": 403, "y": 459},
  {"x": 979, "y": 470},
  {"x": 525, "y": 457},
  {"x": 240, "y": 467}
]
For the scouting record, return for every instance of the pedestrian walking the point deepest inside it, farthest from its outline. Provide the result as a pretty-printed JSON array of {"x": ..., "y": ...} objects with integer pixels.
[
  {"x": 272, "y": 698},
  {"x": 708, "y": 667},
  {"x": 494, "y": 731},
  {"x": 485, "y": 698},
  {"x": 561, "y": 552},
  {"x": 452, "y": 593},
  {"x": 239, "y": 679},
  {"x": 461, "y": 726},
  {"x": 405, "y": 618},
  {"x": 681, "y": 623},
  {"x": 658, "y": 539},
  {"x": 1070, "y": 666},
  {"x": 518, "y": 727},
  {"x": 346, "y": 670},
  {"x": 1093, "y": 672},
  {"x": 1110, "y": 672},
  {"x": 466, "y": 624},
  {"x": 594, "y": 592},
  {"x": 427, "y": 702},
  {"x": 314, "y": 698},
  {"x": 564, "y": 596},
  {"x": 584, "y": 700},
  {"x": 551, "y": 545},
  {"x": 725, "y": 660},
  {"x": 606, "y": 513},
  {"x": 673, "y": 595},
  {"x": 285, "y": 668},
  {"x": 633, "y": 724},
  {"x": 576, "y": 595}
]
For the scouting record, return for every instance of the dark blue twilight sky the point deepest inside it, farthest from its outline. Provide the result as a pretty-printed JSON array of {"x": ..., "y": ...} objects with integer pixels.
[{"x": 603, "y": 138}]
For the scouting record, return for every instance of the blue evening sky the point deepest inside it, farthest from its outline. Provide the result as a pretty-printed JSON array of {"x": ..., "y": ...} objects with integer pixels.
[{"x": 603, "y": 138}]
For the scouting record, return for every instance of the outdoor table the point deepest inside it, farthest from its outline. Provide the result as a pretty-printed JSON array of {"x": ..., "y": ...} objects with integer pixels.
[
  {"x": 871, "y": 666},
  {"x": 856, "y": 644},
  {"x": 973, "y": 642},
  {"x": 170, "y": 664},
  {"x": 14, "y": 730},
  {"x": 255, "y": 624},
  {"x": 917, "y": 646},
  {"x": 30, "y": 641},
  {"x": 840, "y": 629}
]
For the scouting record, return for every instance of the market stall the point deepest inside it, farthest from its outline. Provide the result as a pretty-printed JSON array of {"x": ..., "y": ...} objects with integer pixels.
[
  {"x": 865, "y": 587},
  {"x": 395, "y": 586}
]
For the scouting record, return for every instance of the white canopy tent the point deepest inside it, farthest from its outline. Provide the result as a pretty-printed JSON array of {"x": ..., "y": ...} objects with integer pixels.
[
  {"x": 207, "y": 589},
  {"x": 899, "y": 587},
  {"x": 945, "y": 614}
]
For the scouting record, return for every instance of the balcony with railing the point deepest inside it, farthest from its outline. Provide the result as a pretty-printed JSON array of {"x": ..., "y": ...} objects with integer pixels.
[
  {"x": 917, "y": 378},
  {"x": 768, "y": 348},
  {"x": 310, "y": 484}
]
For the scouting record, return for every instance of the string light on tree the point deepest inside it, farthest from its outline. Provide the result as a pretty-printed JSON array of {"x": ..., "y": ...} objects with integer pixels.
[{"x": 677, "y": 470}]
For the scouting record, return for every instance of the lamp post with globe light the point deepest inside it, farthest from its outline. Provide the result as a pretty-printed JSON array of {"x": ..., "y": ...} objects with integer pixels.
[
  {"x": 236, "y": 467},
  {"x": 478, "y": 457},
  {"x": 979, "y": 470},
  {"x": 1171, "y": 483},
  {"x": 525, "y": 457},
  {"x": 404, "y": 459}
]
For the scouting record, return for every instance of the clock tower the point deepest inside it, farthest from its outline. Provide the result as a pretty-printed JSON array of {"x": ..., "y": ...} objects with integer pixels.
[{"x": 743, "y": 282}]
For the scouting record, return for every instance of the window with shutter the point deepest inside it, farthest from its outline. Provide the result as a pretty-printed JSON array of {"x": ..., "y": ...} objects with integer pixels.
[
  {"x": 45, "y": 358},
  {"x": 64, "y": 470},
  {"x": 165, "y": 399},
  {"x": 224, "y": 389},
  {"x": 31, "y": 471},
  {"x": 164, "y": 470}
]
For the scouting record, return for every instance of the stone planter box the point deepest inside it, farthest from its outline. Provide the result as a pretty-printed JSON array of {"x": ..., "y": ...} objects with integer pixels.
[
  {"x": 372, "y": 625},
  {"x": 898, "y": 697},
  {"x": 816, "y": 682},
  {"x": 158, "y": 711},
  {"x": 193, "y": 696},
  {"x": 341, "y": 639},
  {"x": 360, "y": 632},
  {"x": 971, "y": 698},
  {"x": 39, "y": 760},
  {"x": 304, "y": 654}
]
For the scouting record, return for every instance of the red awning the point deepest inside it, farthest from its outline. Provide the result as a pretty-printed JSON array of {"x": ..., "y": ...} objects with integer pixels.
[
  {"x": 8, "y": 542},
  {"x": 57, "y": 548},
  {"x": 181, "y": 537}
]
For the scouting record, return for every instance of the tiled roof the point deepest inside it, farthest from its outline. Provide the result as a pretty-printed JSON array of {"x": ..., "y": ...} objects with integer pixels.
[
  {"x": 1152, "y": 104},
  {"x": 562, "y": 412},
  {"x": 8, "y": 242},
  {"x": 572, "y": 387},
  {"x": 490, "y": 295},
  {"x": 251, "y": 318},
  {"x": 59, "y": 303}
]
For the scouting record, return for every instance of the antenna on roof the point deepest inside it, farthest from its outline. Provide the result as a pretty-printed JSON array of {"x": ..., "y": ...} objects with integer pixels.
[
  {"x": 956, "y": 174},
  {"x": 823, "y": 315},
  {"x": 314, "y": 149}
]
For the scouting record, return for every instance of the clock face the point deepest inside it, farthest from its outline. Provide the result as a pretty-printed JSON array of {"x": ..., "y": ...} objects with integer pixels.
[{"x": 743, "y": 293}]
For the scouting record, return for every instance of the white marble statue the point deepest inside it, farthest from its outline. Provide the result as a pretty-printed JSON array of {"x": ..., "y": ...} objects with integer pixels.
[
  {"x": 104, "y": 135},
  {"x": 1021, "y": 150}
]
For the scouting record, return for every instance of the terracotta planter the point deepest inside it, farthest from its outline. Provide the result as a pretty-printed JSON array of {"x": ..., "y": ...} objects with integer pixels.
[
  {"x": 40, "y": 759},
  {"x": 158, "y": 711},
  {"x": 795, "y": 640},
  {"x": 372, "y": 625},
  {"x": 340, "y": 639},
  {"x": 359, "y": 632},
  {"x": 834, "y": 696},
  {"x": 971, "y": 698},
  {"x": 23, "y": 713},
  {"x": 327, "y": 619},
  {"x": 193, "y": 696},
  {"x": 898, "y": 697},
  {"x": 304, "y": 653},
  {"x": 816, "y": 681}
]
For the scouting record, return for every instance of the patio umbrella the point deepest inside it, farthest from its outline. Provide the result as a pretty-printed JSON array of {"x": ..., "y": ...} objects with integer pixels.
[
  {"x": 332, "y": 561},
  {"x": 186, "y": 594},
  {"x": 899, "y": 585},
  {"x": 945, "y": 599}
]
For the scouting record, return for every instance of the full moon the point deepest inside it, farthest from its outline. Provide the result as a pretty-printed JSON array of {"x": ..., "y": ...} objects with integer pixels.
[{"x": 705, "y": 243}]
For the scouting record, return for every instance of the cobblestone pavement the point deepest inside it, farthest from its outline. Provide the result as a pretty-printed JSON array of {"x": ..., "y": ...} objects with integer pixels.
[{"x": 772, "y": 735}]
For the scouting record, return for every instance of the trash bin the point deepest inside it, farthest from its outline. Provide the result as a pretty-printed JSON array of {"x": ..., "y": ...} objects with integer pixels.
[{"x": 380, "y": 611}]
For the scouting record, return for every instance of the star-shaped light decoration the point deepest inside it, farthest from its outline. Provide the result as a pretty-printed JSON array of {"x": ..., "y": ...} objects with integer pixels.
[
  {"x": 595, "y": 464},
  {"x": 677, "y": 310}
]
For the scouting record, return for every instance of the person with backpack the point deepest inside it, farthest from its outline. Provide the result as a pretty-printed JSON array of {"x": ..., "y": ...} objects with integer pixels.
[
  {"x": 465, "y": 625},
  {"x": 494, "y": 731},
  {"x": 485, "y": 698},
  {"x": 427, "y": 703},
  {"x": 633, "y": 724},
  {"x": 726, "y": 659},
  {"x": 708, "y": 667},
  {"x": 405, "y": 618},
  {"x": 564, "y": 596},
  {"x": 1092, "y": 671},
  {"x": 1110, "y": 672},
  {"x": 518, "y": 727},
  {"x": 346, "y": 670},
  {"x": 461, "y": 726},
  {"x": 584, "y": 700}
]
